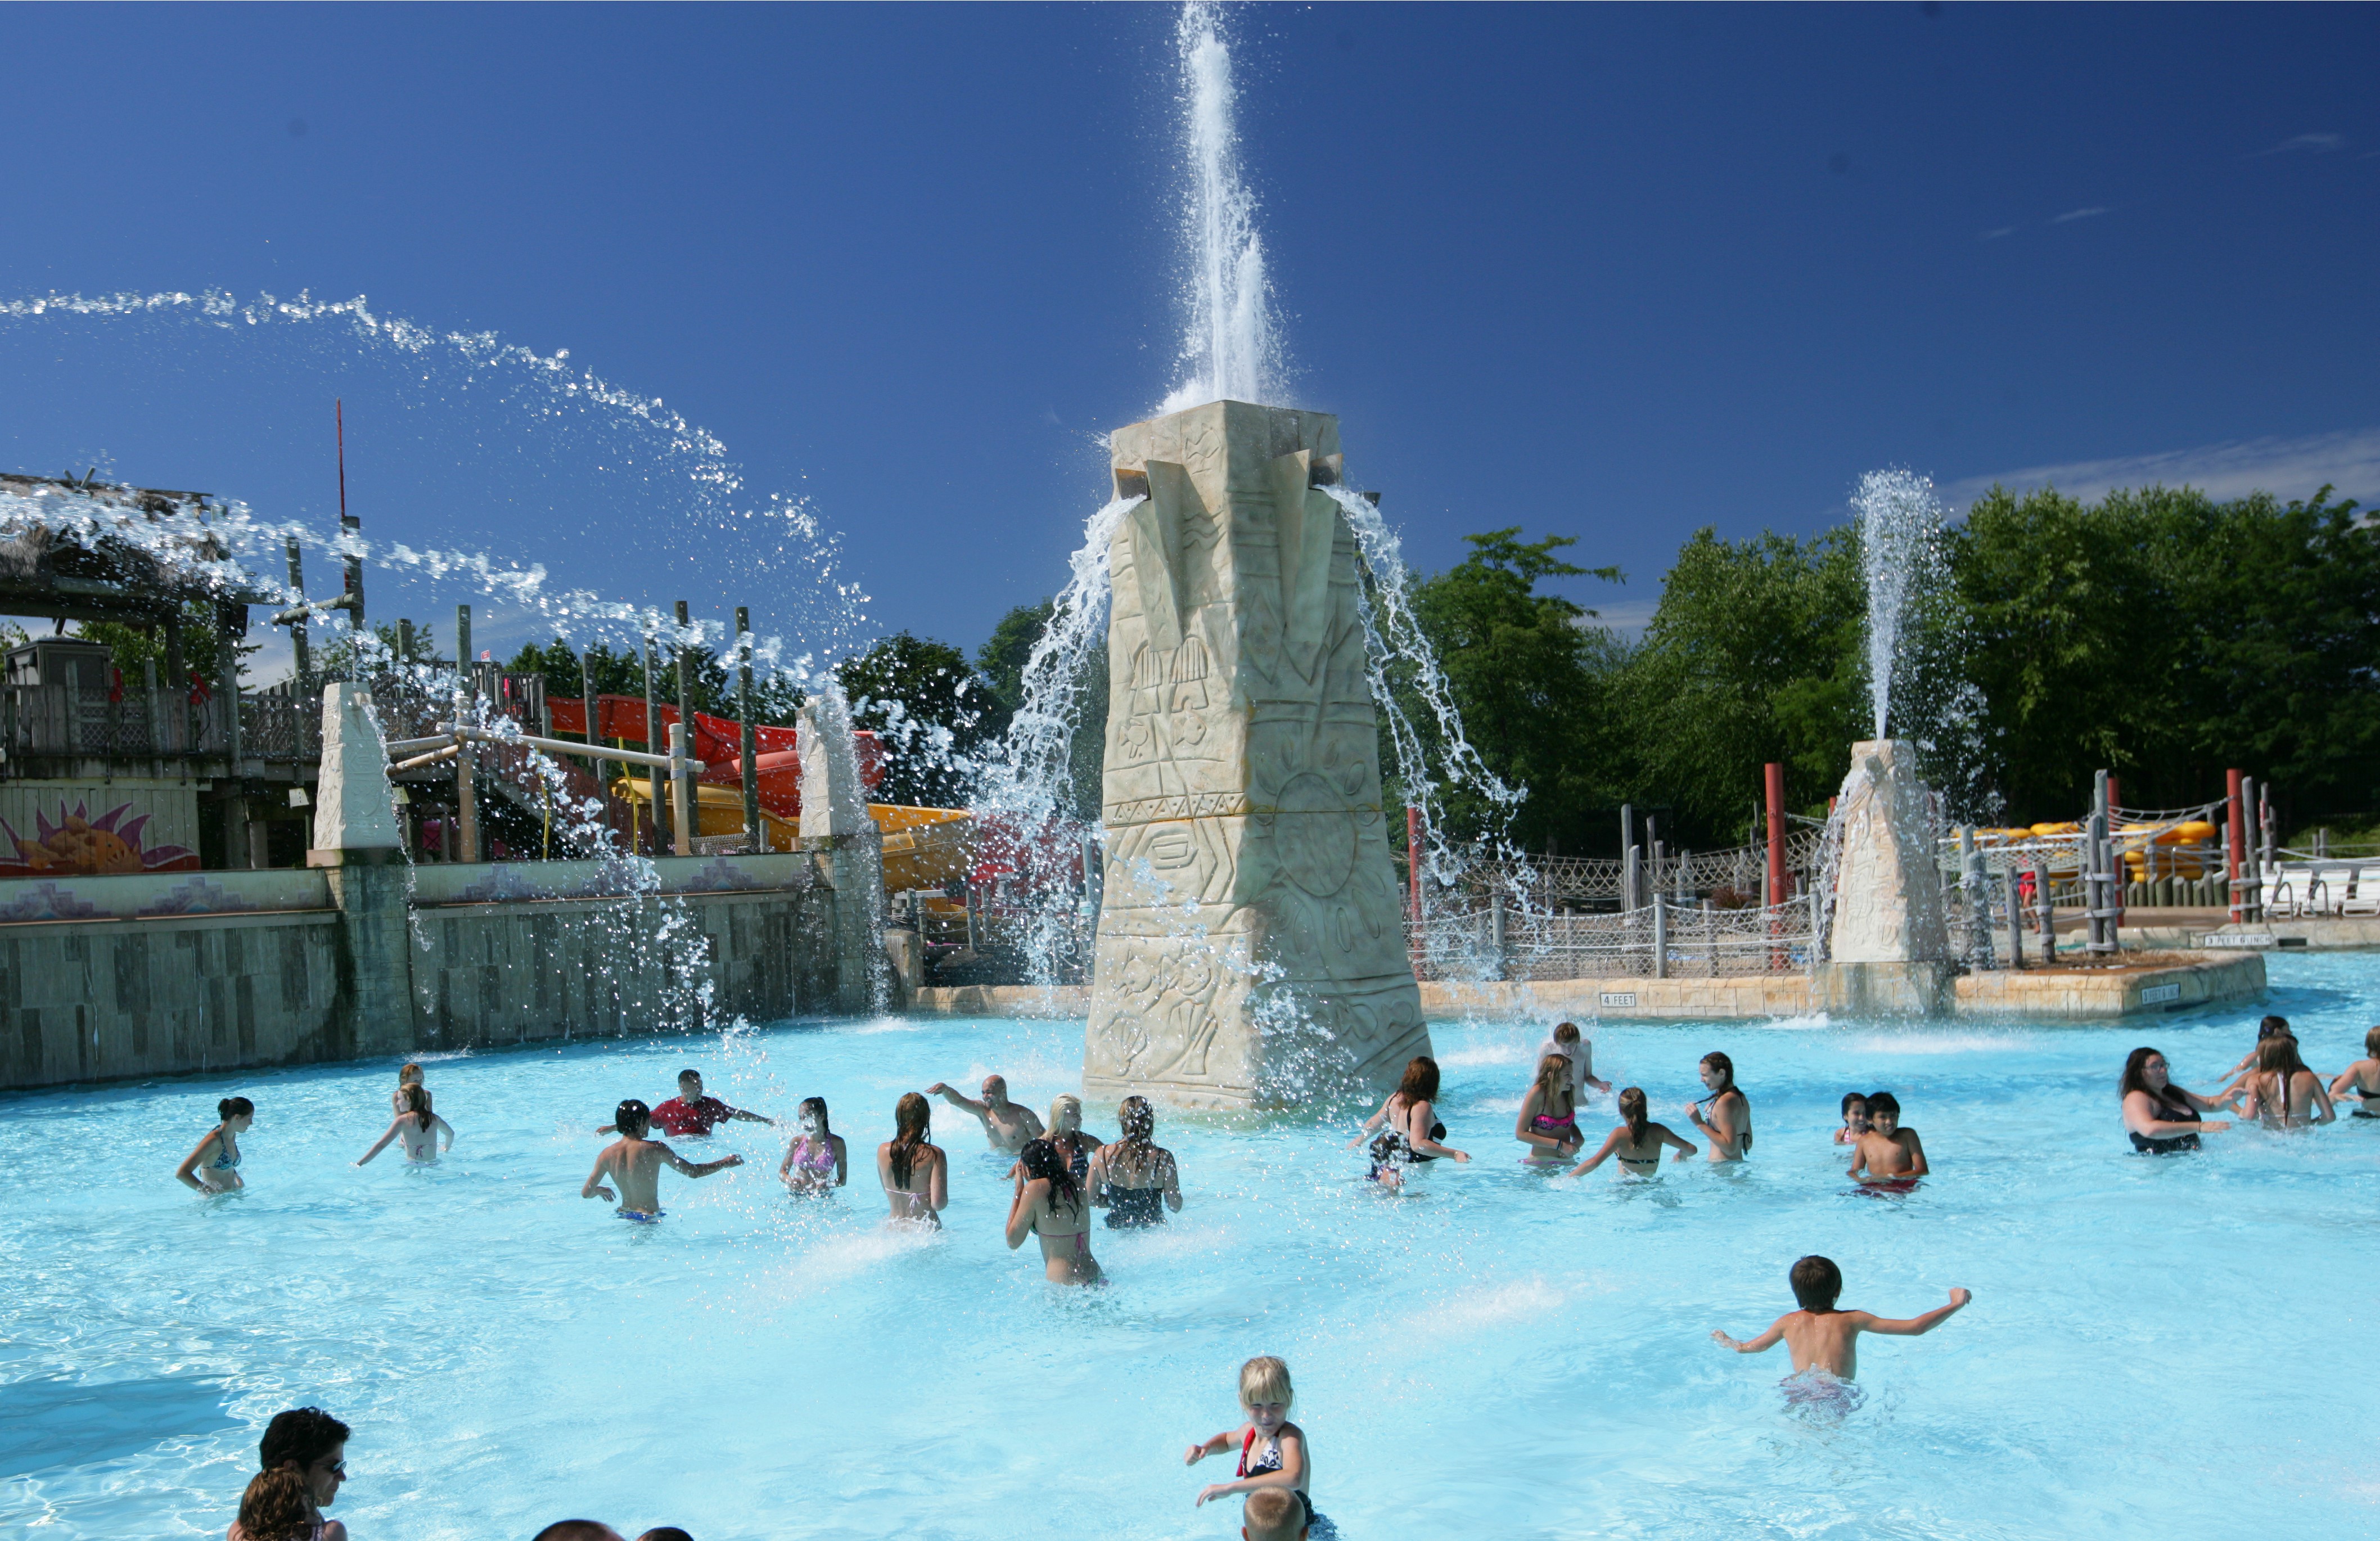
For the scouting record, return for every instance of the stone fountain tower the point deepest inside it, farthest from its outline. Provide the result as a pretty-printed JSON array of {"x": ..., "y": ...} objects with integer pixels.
[
  {"x": 1251, "y": 944},
  {"x": 1889, "y": 947}
]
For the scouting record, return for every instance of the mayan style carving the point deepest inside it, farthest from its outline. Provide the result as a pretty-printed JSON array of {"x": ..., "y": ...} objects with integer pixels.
[
  {"x": 1888, "y": 948},
  {"x": 1251, "y": 947}
]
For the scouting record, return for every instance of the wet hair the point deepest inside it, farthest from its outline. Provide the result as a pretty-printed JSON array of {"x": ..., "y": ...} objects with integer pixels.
[
  {"x": 1850, "y": 1097},
  {"x": 2136, "y": 1072},
  {"x": 1566, "y": 1032},
  {"x": 1040, "y": 1158},
  {"x": 231, "y": 1108},
  {"x": 2275, "y": 1028},
  {"x": 576, "y": 1530},
  {"x": 298, "y": 1437},
  {"x": 278, "y": 1506},
  {"x": 1817, "y": 1283},
  {"x": 1266, "y": 1379},
  {"x": 912, "y": 1120},
  {"x": 689, "y": 1075},
  {"x": 1420, "y": 1083},
  {"x": 1725, "y": 1066},
  {"x": 1883, "y": 1102},
  {"x": 815, "y": 1105},
  {"x": 1553, "y": 1077},
  {"x": 408, "y": 1073},
  {"x": 2278, "y": 1056},
  {"x": 632, "y": 1118},
  {"x": 665, "y": 1533},
  {"x": 2371, "y": 1042},
  {"x": 1060, "y": 1103},
  {"x": 417, "y": 1102},
  {"x": 1273, "y": 1514},
  {"x": 1140, "y": 1119},
  {"x": 1632, "y": 1113}
]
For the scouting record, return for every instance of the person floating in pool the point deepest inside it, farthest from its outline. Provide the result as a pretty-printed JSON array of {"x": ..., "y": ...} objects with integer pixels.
[
  {"x": 1007, "y": 1125},
  {"x": 417, "y": 1126},
  {"x": 1409, "y": 1130},
  {"x": 1636, "y": 1142},
  {"x": 213, "y": 1166},
  {"x": 2281, "y": 1092},
  {"x": 1567, "y": 1043},
  {"x": 1728, "y": 1128},
  {"x": 635, "y": 1163},
  {"x": 1854, "y": 1118},
  {"x": 1887, "y": 1155},
  {"x": 1134, "y": 1179},
  {"x": 1050, "y": 1203},
  {"x": 915, "y": 1172},
  {"x": 2161, "y": 1118},
  {"x": 1824, "y": 1340},
  {"x": 691, "y": 1112},
  {"x": 1273, "y": 1451},
  {"x": 817, "y": 1161},
  {"x": 1548, "y": 1123},
  {"x": 2363, "y": 1077}
]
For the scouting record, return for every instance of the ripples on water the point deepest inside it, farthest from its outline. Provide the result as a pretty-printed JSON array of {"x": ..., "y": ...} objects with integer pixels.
[{"x": 1495, "y": 1352}]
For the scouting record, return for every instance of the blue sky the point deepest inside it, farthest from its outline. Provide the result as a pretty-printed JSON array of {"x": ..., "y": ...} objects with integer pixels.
[{"x": 1609, "y": 272}]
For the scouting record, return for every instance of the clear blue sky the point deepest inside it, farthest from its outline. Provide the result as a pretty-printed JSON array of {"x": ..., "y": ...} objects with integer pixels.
[{"x": 1607, "y": 271}]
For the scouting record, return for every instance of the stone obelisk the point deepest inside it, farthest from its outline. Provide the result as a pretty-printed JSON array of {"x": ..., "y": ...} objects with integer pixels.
[
  {"x": 1251, "y": 945},
  {"x": 1888, "y": 946}
]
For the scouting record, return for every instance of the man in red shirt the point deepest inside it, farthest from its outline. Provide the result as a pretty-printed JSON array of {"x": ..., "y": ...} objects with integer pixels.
[{"x": 690, "y": 1112}]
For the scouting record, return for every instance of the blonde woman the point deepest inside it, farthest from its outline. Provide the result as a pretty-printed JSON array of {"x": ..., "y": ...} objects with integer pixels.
[
  {"x": 1066, "y": 1135},
  {"x": 1548, "y": 1120}
]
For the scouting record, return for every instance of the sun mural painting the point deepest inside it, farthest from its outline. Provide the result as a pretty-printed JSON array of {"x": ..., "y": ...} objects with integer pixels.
[{"x": 78, "y": 844}]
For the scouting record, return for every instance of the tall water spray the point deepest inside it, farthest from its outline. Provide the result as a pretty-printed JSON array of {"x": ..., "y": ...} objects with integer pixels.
[
  {"x": 1230, "y": 349},
  {"x": 1899, "y": 523}
]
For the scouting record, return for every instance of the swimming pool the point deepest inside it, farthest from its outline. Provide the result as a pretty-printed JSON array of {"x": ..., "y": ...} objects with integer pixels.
[{"x": 2153, "y": 1342}]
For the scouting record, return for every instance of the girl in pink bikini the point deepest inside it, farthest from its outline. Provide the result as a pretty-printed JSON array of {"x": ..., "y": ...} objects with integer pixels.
[
  {"x": 817, "y": 1160},
  {"x": 1548, "y": 1120},
  {"x": 1049, "y": 1205}
]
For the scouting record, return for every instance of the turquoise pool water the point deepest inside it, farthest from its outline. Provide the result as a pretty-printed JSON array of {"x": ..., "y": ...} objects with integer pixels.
[{"x": 2154, "y": 1344}]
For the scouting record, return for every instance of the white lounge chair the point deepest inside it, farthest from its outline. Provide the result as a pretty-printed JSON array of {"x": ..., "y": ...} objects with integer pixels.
[{"x": 2365, "y": 899}]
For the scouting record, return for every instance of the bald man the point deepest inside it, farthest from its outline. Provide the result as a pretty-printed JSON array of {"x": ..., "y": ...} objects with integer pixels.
[{"x": 1009, "y": 1126}]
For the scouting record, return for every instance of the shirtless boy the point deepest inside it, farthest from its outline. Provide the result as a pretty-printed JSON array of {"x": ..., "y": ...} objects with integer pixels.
[
  {"x": 635, "y": 1163},
  {"x": 1886, "y": 1155},
  {"x": 1825, "y": 1338},
  {"x": 1007, "y": 1125}
]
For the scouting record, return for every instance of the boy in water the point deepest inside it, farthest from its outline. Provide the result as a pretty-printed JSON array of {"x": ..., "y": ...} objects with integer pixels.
[
  {"x": 1825, "y": 1340},
  {"x": 1273, "y": 1514},
  {"x": 1581, "y": 1055},
  {"x": 635, "y": 1163},
  {"x": 1888, "y": 1155}
]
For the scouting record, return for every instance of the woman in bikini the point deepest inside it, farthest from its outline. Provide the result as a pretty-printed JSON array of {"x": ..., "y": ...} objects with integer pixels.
[
  {"x": 1407, "y": 1122},
  {"x": 2282, "y": 1092},
  {"x": 2269, "y": 1029},
  {"x": 1548, "y": 1120},
  {"x": 1728, "y": 1128},
  {"x": 1066, "y": 1134},
  {"x": 1048, "y": 1204},
  {"x": 915, "y": 1174},
  {"x": 1134, "y": 1180},
  {"x": 816, "y": 1161},
  {"x": 2160, "y": 1117},
  {"x": 2363, "y": 1077},
  {"x": 214, "y": 1167},
  {"x": 1636, "y": 1143},
  {"x": 417, "y": 1126}
]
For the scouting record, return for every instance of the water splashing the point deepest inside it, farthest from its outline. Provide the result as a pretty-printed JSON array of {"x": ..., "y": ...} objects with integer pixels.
[
  {"x": 1899, "y": 523},
  {"x": 1230, "y": 347}
]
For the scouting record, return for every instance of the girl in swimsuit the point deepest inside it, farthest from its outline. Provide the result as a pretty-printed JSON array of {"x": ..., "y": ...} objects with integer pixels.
[
  {"x": 2160, "y": 1117},
  {"x": 2363, "y": 1077},
  {"x": 277, "y": 1507},
  {"x": 214, "y": 1167},
  {"x": 1548, "y": 1120},
  {"x": 1409, "y": 1130},
  {"x": 409, "y": 1076},
  {"x": 2282, "y": 1091},
  {"x": 418, "y": 1126},
  {"x": 2271, "y": 1027},
  {"x": 1073, "y": 1146},
  {"x": 915, "y": 1174},
  {"x": 817, "y": 1160},
  {"x": 1636, "y": 1143},
  {"x": 1273, "y": 1451},
  {"x": 1728, "y": 1128},
  {"x": 1049, "y": 1205},
  {"x": 1134, "y": 1180}
]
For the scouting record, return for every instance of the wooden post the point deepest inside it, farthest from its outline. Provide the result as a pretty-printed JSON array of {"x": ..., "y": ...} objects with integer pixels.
[
  {"x": 466, "y": 803},
  {"x": 2235, "y": 829},
  {"x": 594, "y": 734},
  {"x": 682, "y": 803},
  {"x": 2015, "y": 918},
  {"x": 1774, "y": 776},
  {"x": 234, "y": 805},
  {"x": 652, "y": 745},
  {"x": 1660, "y": 932},
  {"x": 681, "y": 790},
  {"x": 2115, "y": 854},
  {"x": 464, "y": 671},
  {"x": 1496, "y": 931},
  {"x": 300, "y": 642},
  {"x": 748, "y": 744}
]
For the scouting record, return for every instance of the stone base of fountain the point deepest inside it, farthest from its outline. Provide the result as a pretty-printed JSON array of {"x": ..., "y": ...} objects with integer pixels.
[
  {"x": 1928, "y": 988},
  {"x": 1889, "y": 947}
]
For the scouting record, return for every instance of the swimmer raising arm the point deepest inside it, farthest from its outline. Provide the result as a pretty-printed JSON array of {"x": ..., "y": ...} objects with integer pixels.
[{"x": 1824, "y": 1338}]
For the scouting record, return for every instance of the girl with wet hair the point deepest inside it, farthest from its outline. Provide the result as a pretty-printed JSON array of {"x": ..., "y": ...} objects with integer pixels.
[
  {"x": 1049, "y": 1205},
  {"x": 213, "y": 1166},
  {"x": 418, "y": 1126},
  {"x": 277, "y": 1507},
  {"x": 410, "y": 1075},
  {"x": 1548, "y": 1119},
  {"x": 1409, "y": 1130},
  {"x": 2282, "y": 1092},
  {"x": 915, "y": 1172},
  {"x": 1066, "y": 1134},
  {"x": 1134, "y": 1180},
  {"x": 1636, "y": 1143},
  {"x": 817, "y": 1160},
  {"x": 1728, "y": 1128}
]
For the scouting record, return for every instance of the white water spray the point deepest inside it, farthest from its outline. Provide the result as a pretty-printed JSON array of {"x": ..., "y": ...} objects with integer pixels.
[
  {"x": 1899, "y": 523},
  {"x": 1230, "y": 348}
]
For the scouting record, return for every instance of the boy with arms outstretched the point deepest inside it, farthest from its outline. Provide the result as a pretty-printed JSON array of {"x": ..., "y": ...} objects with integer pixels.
[{"x": 1825, "y": 1338}]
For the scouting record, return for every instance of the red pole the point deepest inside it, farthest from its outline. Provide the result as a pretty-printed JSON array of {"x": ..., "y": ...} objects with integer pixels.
[
  {"x": 1776, "y": 879},
  {"x": 2239, "y": 837},
  {"x": 1413, "y": 861}
]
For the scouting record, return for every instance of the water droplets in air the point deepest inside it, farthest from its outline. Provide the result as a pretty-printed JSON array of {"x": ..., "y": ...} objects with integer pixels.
[
  {"x": 1231, "y": 350},
  {"x": 1899, "y": 523}
]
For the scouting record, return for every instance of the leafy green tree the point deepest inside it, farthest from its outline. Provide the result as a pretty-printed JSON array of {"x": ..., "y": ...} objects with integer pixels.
[{"x": 925, "y": 705}]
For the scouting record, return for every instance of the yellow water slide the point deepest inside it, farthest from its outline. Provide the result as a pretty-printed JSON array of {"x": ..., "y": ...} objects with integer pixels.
[{"x": 923, "y": 847}]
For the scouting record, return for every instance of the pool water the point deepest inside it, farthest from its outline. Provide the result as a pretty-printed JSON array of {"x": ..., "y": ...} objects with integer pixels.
[{"x": 2154, "y": 1342}]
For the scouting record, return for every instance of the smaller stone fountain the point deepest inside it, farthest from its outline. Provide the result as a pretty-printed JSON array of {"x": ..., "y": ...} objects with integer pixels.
[{"x": 1888, "y": 944}]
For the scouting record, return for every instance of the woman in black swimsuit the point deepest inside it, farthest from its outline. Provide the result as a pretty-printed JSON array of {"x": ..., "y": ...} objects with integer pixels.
[
  {"x": 1134, "y": 1180},
  {"x": 1412, "y": 1131},
  {"x": 2160, "y": 1117},
  {"x": 2363, "y": 1077}
]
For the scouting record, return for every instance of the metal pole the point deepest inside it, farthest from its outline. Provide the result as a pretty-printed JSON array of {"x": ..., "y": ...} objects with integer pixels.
[
  {"x": 467, "y": 678},
  {"x": 300, "y": 642},
  {"x": 1495, "y": 931},
  {"x": 466, "y": 803},
  {"x": 227, "y": 671},
  {"x": 2045, "y": 911},
  {"x": 353, "y": 591},
  {"x": 2116, "y": 864},
  {"x": 2251, "y": 878},
  {"x": 594, "y": 726},
  {"x": 1774, "y": 776},
  {"x": 682, "y": 790},
  {"x": 747, "y": 740},
  {"x": 2015, "y": 920},
  {"x": 1631, "y": 879},
  {"x": 1627, "y": 843},
  {"x": 652, "y": 742},
  {"x": 1660, "y": 933}
]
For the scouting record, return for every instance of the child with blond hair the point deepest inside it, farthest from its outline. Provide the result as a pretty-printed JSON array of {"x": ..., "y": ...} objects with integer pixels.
[
  {"x": 1273, "y": 1453},
  {"x": 1273, "y": 1514}
]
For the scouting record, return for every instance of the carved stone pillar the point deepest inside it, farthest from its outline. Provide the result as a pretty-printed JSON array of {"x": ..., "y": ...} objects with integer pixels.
[
  {"x": 1888, "y": 948},
  {"x": 1251, "y": 948}
]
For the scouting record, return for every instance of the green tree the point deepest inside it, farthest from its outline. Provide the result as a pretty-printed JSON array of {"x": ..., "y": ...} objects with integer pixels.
[{"x": 925, "y": 704}]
